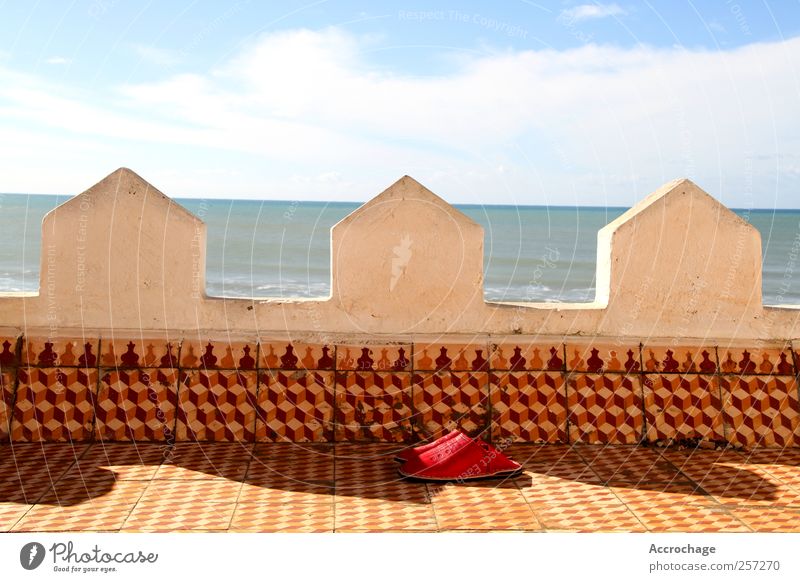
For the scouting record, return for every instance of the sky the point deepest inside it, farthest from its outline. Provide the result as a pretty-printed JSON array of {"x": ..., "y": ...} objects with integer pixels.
[{"x": 519, "y": 102}]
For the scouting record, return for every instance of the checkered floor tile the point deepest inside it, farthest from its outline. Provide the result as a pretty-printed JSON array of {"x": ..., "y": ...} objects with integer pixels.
[
  {"x": 178, "y": 516},
  {"x": 83, "y": 517},
  {"x": 280, "y": 517},
  {"x": 379, "y": 515}
]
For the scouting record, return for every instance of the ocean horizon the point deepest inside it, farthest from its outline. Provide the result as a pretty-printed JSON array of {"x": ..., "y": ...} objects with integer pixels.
[{"x": 281, "y": 248}]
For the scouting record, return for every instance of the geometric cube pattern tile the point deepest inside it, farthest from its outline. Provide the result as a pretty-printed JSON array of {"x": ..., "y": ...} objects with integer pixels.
[
  {"x": 528, "y": 407},
  {"x": 637, "y": 489},
  {"x": 605, "y": 408},
  {"x": 217, "y": 405},
  {"x": 295, "y": 407},
  {"x": 683, "y": 406},
  {"x": 136, "y": 405},
  {"x": 761, "y": 411},
  {"x": 54, "y": 404},
  {"x": 172, "y": 389},
  {"x": 373, "y": 406},
  {"x": 445, "y": 401}
]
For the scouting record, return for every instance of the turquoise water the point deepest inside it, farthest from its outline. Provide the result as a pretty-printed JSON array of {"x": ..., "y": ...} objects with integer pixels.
[{"x": 281, "y": 248}]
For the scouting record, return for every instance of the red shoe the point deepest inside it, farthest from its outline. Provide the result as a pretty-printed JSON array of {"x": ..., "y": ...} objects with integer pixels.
[
  {"x": 460, "y": 459},
  {"x": 410, "y": 453}
]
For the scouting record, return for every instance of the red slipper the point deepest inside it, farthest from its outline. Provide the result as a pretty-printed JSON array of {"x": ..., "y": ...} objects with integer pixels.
[
  {"x": 409, "y": 453},
  {"x": 460, "y": 459}
]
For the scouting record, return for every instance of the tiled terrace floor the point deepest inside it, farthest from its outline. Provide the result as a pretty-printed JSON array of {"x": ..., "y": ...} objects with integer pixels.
[{"x": 313, "y": 488}]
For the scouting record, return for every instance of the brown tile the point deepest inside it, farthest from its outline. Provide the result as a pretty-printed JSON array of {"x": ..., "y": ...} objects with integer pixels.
[
  {"x": 182, "y": 516},
  {"x": 282, "y": 518},
  {"x": 605, "y": 408},
  {"x": 771, "y": 359},
  {"x": 105, "y": 489},
  {"x": 681, "y": 407},
  {"x": 9, "y": 358},
  {"x": 445, "y": 401},
  {"x": 138, "y": 352},
  {"x": 7, "y": 380},
  {"x": 768, "y": 519},
  {"x": 515, "y": 355},
  {"x": 686, "y": 517},
  {"x": 136, "y": 404},
  {"x": 295, "y": 407},
  {"x": 679, "y": 359},
  {"x": 378, "y": 515},
  {"x": 126, "y": 461},
  {"x": 285, "y": 491},
  {"x": 60, "y": 352},
  {"x": 279, "y": 354},
  {"x": 84, "y": 517},
  {"x": 486, "y": 514},
  {"x": 373, "y": 406},
  {"x": 624, "y": 464},
  {"x": 201, "y": 492},
  {"x": 384, "y": 357},
  {"x": 438, "y": 356},
  {"x": 529, "y": 407},
  {"x": 207, "y": 354},
  {"x": 593, "y": 516},
  {"x": 543, "y": 490},
  {"x": 54, "y": 404},
  {"x": 663, "y": 494},
  {"x": 600, "y": 357},
  {"x": 217, "y": 406},
  {"x": 761, "y": 411}
]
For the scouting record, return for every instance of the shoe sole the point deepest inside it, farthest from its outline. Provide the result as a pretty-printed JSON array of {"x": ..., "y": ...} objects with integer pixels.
[{"x": 497, "y": 475}]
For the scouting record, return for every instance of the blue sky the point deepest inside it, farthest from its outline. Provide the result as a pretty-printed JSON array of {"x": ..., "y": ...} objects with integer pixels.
[{"x": 517, "y": 103}]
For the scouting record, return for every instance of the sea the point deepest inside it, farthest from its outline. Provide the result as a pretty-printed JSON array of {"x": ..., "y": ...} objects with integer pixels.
[{"x": 282, "y": 248}]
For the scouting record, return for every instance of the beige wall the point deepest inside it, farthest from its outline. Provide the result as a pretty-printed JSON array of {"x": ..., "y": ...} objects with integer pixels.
[{"x": 122, "y": 256}]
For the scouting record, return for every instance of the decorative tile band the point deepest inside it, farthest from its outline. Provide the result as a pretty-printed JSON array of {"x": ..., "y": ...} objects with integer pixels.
[{"x": 275, "y": 390}]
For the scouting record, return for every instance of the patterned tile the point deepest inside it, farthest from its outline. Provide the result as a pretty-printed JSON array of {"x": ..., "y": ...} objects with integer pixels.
[
  {"x": 209, "y": 354},
  {"x": 682, "y": 407},
  {"x": 60, "y": 353},
  {"x": 106, "y": 490},
  {"x": 295, "y": 407},
  {"x": 486, "y": 514},
  {"x": 127, "y": 461},
  {"x": 392, "y": 490},
  {"x": 529, "y": 407},
  {"x": 394, "y": 357},
  {"x": 284, "y": 491},
  {"x": 7, "y": 380},
  {"x": 8, "y": 352},
  {"x": 10, "y": 514},
  {"x": 217, "y": 406},
  {"x": 761, "y": 411},
  {"x": 599, "y": 358},
  {"x": 180, "y": 516},
  {"x": 316, "y": 470},
  {"x": 593, "y": 516},
  {"x": 662, "y": 494},
  {"x": 622, "y": 464},
  {"x": 83, "y": 517},
  {"x": 605, "y": 408},
  {"x": 136, "y": 405},
  {"x": 139, "y": 352},
  {"x": 199, "y": 469},
  {"x": 377, "y": 515},
  {"x": 686, "y": 517},
  {"x": 775, "y": 360},
  {"x": 445, "y": 401},
  {"x": 282, "y": 355},
  {"x": 54, "y": 404},
  {"x": 201, "y": 492},
  {"x": 283, "y": 518},
  {"x": 679, "y": 359},
  {"x": 550, "y": 491},
  {"x": 437, "y": 356},
  {"x": 767, "y": 519},
  {"x": 373, "y": 406},
  {"x": 527, "y": 356}
]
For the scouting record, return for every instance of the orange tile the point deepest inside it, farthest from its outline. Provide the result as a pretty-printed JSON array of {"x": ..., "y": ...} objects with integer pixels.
[
  {"x": 83, "y": 517},
  {"x": 775, "y": 359},
  {"x": 595, "y": 516},
  {"x": 137, "y": 404},
  {"x": 438, "y": 356},
  {"x": 373, "y": 406},
  {"x": 686, "y": 517},
  {"x": 138, "y": 352},
  {"x": 445, "y": 401},
  {"x": 766, "y": 519},
  {"x": 514, "y": 355},
  {"x": 386, "y": 357},
  {"x": 295, "y": 406},
  {"x": 217, "y": 406},
  {"x": 605, "y": 408},
  {"x": 283, "y": 518},
  {"x": 679, "y": 359},
  {"x": 280, "y": 354},
  {"x": 200, "y": 492},
  {"x": 602, "y": 357},
  {"x": 60, "y": 352},
  {"x": 54, "y": 404},
  {"x": 7, "y": 380},
  {"x": 761, "y": 411},
  {"x": 207, "y": 354},
  {"x": 529, "y": 407},
  {"x": 623, "y": 464},
  {"x": 682, "y": 407},
  {"x": 106, "y": 489},
  {"x": 181, "y": 516},
  {"x": 378, "y": 515}
]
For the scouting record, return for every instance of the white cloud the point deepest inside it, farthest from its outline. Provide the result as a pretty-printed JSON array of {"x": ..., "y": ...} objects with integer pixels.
[
  {"x": 58, "y": 61},
  {"x": 591, "y": 12},
  {"x": 594, "y": 124},
  {"x": 157, "y": 56}
]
